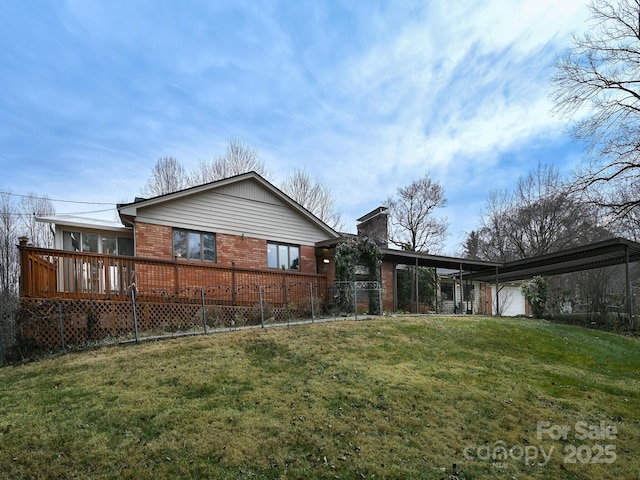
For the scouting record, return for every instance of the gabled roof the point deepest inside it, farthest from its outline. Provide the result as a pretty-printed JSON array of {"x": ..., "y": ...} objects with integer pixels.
[{"x": 129, "y": 211}]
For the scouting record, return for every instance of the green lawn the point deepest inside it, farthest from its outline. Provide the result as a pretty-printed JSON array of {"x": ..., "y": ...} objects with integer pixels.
[{"x": 404, "y": 397}]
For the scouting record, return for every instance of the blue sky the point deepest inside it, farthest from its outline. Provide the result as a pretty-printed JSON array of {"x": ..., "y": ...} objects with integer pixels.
[{"x": 365, "y": 95}]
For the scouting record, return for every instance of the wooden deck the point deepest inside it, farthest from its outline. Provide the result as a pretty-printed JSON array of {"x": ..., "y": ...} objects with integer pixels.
[{"x": 47, "y": 273}]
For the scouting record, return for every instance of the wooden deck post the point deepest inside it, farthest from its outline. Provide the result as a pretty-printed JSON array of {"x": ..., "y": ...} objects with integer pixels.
[{"x": 24, "y": 262}]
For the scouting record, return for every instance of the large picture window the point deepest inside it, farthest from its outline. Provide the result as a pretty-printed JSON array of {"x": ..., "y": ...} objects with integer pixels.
[
  {"x": 194, "y": 245},
  {"x": 286, "y": 257},
  {"x": 94, "y": 243}
]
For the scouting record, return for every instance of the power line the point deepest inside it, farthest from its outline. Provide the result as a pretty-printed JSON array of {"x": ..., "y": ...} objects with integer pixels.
[
  {"x": 56, "y": 199},
  {"x": 35, "y": 214}
]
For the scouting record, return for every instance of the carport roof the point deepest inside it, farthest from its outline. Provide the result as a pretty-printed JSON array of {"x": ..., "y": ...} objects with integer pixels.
[
  {"x": 425, "y": 260},
  {"x": 615, "y": 251}
]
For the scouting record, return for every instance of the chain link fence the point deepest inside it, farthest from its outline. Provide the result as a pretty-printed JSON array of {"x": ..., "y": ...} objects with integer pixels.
[{"x": 41, "y": 327}]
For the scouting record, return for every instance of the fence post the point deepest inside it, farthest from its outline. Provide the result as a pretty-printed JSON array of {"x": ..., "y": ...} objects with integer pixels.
[
  {"x": 285, "y": 300},
  {"x": 25, "y": 277},
  {"x": 379, "y": 285},
  {"x": 204, "y": 311},
  {"x": 355, "y": 299},
  {"x": 233, "y": 283},
  {"x": 261, "y": 306},
  {"x": 61, "y": 326},
  {"x": 135, "y": 316},
  {"x": 2, "y": 358},
  {"x": 311, "y": 299}
]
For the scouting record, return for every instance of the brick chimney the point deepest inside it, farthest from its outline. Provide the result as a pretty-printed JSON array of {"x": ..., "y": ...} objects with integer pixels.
[{"x": 375, "y": 226}]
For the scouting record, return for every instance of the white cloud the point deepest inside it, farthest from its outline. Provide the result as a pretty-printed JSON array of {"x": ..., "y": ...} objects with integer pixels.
[{"x": 366, "y": 96}]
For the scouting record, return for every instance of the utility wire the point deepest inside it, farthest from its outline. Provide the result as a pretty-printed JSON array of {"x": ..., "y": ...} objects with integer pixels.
[
  {"x": 35, "y": 214},
  {"x": 56, "y": 199}
]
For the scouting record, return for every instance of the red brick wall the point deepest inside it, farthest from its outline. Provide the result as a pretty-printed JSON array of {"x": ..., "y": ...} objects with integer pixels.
[
  {"x": 244, "y": 251},
  {"x": 388, "y": 286},
  {"x": 307, "y": 259},
  {"x": 328, "y": 269},
  {"x": 153, "y": 241},
  {"x": 156, "y": 241},
  {"x": 486, "y": 299}
]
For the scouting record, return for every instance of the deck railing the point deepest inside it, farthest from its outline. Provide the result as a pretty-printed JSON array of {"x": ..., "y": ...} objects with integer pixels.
[{"x": 47, "y": 273}]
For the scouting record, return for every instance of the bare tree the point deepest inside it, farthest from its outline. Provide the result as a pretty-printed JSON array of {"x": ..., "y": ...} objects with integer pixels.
[
  {"x": 494, "y": 234},
  {"x": 32, "y": 206},
  {"x": 539, "y": 216},
  {"x": 597, "y": 83},
  {"x": 411, "y": 213},
  {"x": 167, "y": 176},
  {"x": 238, "y": 158},
  {"x": 9, "y": 266},
  {"x": 548, "y": 218},
  {"x": 314, "y": 196},
  {"x": 629, "y": 225}
]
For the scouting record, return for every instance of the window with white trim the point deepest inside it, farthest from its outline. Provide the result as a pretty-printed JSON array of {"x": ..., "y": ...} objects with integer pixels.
[{"x": 96, "y": 243}]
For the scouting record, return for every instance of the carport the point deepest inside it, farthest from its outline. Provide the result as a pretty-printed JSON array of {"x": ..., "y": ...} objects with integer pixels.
[
  {"x": 456, "y": 267},
  {"x": 615, "y": 251}
]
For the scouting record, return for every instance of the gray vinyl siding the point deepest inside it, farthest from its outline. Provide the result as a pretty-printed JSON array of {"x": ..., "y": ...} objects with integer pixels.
[{"x": 236, "y": 209}]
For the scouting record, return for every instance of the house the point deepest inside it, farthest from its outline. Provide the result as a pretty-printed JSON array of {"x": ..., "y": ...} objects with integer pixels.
[
  {"x": 240, "y": 242},
  {"x": 237, "y": 232},
  {"x": 224, "y": 238}
]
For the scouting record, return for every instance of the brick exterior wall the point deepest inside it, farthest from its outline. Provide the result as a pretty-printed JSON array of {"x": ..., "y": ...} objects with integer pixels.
[
  {"x": 153, "y": 241},
  {"x": 156, "y": 241},
  {"x": 328, "y": 269},
  {"x": 485, "y": 299},
  {"x": 376, "y": 228},
  {"x": 388, "y": 288},
  {"x": 308, "y": 262},
  {"x": 246, "y": 252}
]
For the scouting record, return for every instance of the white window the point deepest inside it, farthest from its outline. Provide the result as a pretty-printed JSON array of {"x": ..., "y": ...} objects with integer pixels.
[{"x": 94, "y": 243}]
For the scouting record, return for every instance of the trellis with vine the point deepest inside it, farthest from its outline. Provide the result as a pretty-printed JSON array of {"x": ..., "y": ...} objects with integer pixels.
[{"x": 363, "y": 251}]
